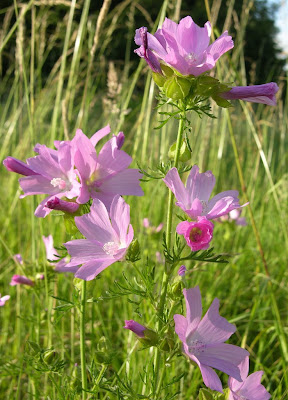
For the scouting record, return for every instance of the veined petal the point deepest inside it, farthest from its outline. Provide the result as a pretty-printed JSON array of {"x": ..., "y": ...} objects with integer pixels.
[
  {"x": 44, "y": 164},
  {"x": 174, "y": 183},
  {"x": 83, "y": 250},
  {"x": 37, "y": 184},
  {"x": 252, "y": 388},
  {"x": 91, "y": 269},
  {"x": 65, "y": 158},
  {"x": 220, "y": 46},
  {"x": 193, "y": 308},
  {"x": 222, "y": 204},
  {"x": 111, "y": 159},
  {"x": 120, "y": 217},
  {"x": 85, "y": 157},
  {"x": 200, "y": 185},
  {"x": 192, "y": 37},
  {"x": 223, "y": 356},
  {"x": 96, "y": 225},
  {"x": 213, "y": 328},
  {"x": 210, "y": 378},
  {"x": 123, "y": 183}
]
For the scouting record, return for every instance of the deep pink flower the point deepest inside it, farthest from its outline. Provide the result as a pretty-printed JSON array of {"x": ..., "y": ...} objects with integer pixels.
[
  {"x": 198, "y": 235},
  {"x": 203, "y": 340},
  {"x": 107, "y": 241},
  {"x": 194, "y": 198},
  {"x": 52, "y": 253},
  {"x": 184, "y": 46},
  {"x": 21, "y": 280},
  {"x": 250, "y": 388},
  {"x": 105, "y": 174},
  {"x": 69, "y": 207},
  {"x": 3, "y": 300},
  {"x": 255, "y": 94},
  {"x": 135, "y": 327}
]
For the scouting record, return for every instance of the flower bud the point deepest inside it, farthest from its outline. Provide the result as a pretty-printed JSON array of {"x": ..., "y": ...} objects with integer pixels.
[
  {"x": 14, "y": 165},
  {"x": 185, "y": 153},
  {"x": 21, "y": 280},
  {"x": 69, "y": 207},
  {"x": 177, "y": 88},
  {"x": 50, "y": 357},
  {"x": 133, "y": 252},
  {"x": 146, "y": 336}
]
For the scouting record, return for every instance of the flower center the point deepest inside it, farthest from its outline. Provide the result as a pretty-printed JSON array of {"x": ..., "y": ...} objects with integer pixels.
[
  {"x": 196, "y": 347},
  {"x": 58, "y": 182},
  {"x": 94, "y": 182},
  {"x": 110, "y": 248},
  {"x": 204, "y": 207},
  {"x": 191, "y": 58},
  {"x": 195, "y": 234}
]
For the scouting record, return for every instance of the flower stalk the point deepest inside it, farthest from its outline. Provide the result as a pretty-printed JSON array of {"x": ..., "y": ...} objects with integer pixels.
[{"x": 82, "y": 340}]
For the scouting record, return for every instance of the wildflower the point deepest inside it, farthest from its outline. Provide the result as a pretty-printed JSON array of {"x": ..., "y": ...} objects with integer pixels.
[
  {"x": 194, "y": 198},
  {"x": 107, "y": 241},
  {"x": 250, "y": 388},
  {"x": 182, "y": 270},
  {"x": 50, "y": 172},
  {"x": 104, "y": 175},
  {"x": 21, "y": 280},
  {"x": 52, "y": 255},
  {"x": 198, "y": 234},
  {"x": 150, "y": 228},
  {"x": 3, "y": 299},
  {"x": 255, "y": 94},
  {"x": 184, "y": 47},
  {"x": 203, "y": 340},
  {"x": 18, "y": 259},
  {"x": 135, "y": 327}
]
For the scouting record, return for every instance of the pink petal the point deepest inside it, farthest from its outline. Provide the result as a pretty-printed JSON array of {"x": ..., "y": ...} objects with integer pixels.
[
  {"x": 51, "y": 252},
  {"x": 222, "y": 204},
  {"x": 193, "y": 38},
  {"x": 252, "y": 388},
  {"x": 96, "y": 225},
  {"x": 82, "y": 250},
  {"x": 120, "y": 217},
  {"x": 45, "y": 164},
  {"x": 93, "y": 268},
  {"x": 200, "y": 185},
  {"x": 174, "y": 183},
  {"x": 123, "y": 183},
  {"x": 42, "y": 211},
  {"x": 111, "y": 159},
  {"x": 85, "y": 155},
  {"x": 221, "y": 46},
  {"x": 37, "y": 184},
  {"x": 213, "y": 328},
  {"x": 223, "y": 356},
  {"x": 210, "y": 378},
  {"x": 193, "y": 308},
  {"x": 100, "y": 134},
  {"x": 180, "y": 326},
  {"x": 65, "y": 158}
]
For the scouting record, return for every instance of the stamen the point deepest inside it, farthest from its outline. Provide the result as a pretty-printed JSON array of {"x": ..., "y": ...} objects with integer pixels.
[
  {"x": 110, "y": 248},
  {"x": 58, "y": 182}
]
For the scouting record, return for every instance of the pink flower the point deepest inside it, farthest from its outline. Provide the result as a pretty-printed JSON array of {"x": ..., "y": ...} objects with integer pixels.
[
  {"x": 52, "y": 253},
  {"x": 198, "y": 234},
  {"x": 150, "y": 228},
  {"x": 250, "y": 388},
  {"x": 255, "y": 94},
  {"x": 194, "y": 198},
  {"x": 50, "y": 172},
  {"x": 21, "y": 280},
  {"x": 184, "y": 46},
  {"x": 3, "y": 300},
  {"x": 203, "y": 340},
  {"x": 106, "y": 174},
  {"x": 18, "y": 258},
  {"x": 107, "y": 241},
  {"x": 135, "y": 327}
]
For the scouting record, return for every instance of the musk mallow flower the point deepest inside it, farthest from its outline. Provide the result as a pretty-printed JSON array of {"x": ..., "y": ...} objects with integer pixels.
[
  {"x": 194, "y": 198},
  {"x": 255, "y": 93},
  {"x": 203, "y": 340},
  {"x": 184, "y": 46},
  {"x": 3, "y": 300},
  {"x": 106, "y": 174},
  {"x": 198, "y": 235},
  {"x": 107, "y": 238},
  {"x": 50, "y": 172},
  {"x": 21, "y": 280},
  {"x": 250, "y": 388}
]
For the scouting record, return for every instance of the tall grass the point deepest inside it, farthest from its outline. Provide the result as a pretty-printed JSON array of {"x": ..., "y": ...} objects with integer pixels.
[{"x": 39, "y": 105}]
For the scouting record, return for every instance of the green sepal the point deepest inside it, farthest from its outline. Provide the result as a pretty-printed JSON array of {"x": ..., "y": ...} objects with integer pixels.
[
  {"x": 167, "y": 70},
  {"x": 185, "y": 153},
  {"x": 177, "y": 88},
  {"x": 70, "y": 225},
  {"x": 150, "y": 338},
  {"x": 158, "y": 79},
  {"x": 221, "y": 102}
]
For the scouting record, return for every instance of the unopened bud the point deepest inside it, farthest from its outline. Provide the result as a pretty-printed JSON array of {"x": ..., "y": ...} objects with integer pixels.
[
  {"x": 69, "y": 207},
  {"x": 133, "y": 252},
  {"x": 184, "y": 155}
]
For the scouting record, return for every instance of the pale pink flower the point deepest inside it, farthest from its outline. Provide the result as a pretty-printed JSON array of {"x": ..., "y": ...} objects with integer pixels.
[
  {"x": 255, "y": 93},
  {"x": 106, "y": 174},
  {"x": 203, "y": 340},
  {"x": 135, "y": 327},
  {"x": 107, "y": 240},
  {"x": 21, "y": 280},
  {"x": 250, "y": 388},
  {"x": 198, "y": 235},
  {"x": 184, "y": 46},
  {"x": 194, "y": 198},
  {"x": 3, "y": 299}
]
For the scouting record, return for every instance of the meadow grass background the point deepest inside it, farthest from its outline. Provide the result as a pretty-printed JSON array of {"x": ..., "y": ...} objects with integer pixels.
[{"x": 84, "y": 89}]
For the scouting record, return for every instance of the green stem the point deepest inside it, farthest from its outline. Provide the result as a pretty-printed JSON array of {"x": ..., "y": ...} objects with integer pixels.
[
  {"x": 82, "y": 341},
  {"x": 166, "y": 275}
]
